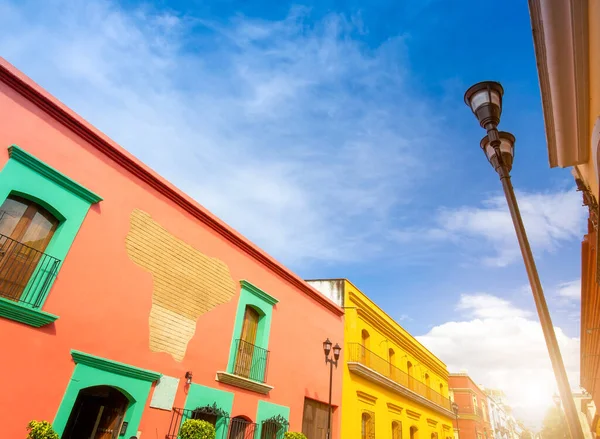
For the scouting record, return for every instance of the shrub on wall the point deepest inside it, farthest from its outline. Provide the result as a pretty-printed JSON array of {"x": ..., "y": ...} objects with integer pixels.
[
  {"x": 292, "y": 435},
  {"x": 41, "y": 430},
  {"x": 197, "y": 429}
]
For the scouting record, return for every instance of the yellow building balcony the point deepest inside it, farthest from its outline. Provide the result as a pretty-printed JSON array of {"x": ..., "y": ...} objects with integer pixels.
[{"x": 371, "y": 366}]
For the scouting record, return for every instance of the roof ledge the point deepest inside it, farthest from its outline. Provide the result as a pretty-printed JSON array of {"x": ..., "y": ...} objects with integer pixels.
[{"x": 560, "y": 37}]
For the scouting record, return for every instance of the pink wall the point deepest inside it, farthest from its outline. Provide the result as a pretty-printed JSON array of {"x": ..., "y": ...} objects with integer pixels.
[{"x": 103, "y": 299}]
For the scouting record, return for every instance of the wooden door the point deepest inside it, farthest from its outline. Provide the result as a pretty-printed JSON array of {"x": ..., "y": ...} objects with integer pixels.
[
  {"x": 25, "y": 231},
  {"x": 314, "y": 419},
  {"x": 245, "y": 354},
  {"x": 110, "y": 418}
]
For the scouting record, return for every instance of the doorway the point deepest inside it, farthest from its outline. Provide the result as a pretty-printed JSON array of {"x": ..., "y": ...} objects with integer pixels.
[{"x": 97, "y": 413}]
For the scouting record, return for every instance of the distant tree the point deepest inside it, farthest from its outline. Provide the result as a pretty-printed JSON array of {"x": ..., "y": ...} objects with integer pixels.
[{"x": 555, "y": 424}]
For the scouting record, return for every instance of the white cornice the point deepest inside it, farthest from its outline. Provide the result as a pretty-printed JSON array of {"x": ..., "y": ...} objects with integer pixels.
[{"x": 560, "y": 37}]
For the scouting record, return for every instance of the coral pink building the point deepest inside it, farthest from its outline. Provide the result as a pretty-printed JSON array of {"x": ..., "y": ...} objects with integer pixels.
[
  {"x": 126, "y": 307},
  {"x": 472, "y": 420}
]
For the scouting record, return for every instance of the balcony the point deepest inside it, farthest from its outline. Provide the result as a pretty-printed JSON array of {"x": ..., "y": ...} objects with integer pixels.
[
  {"x": 375, "y": 368},
  {"x": 470, "y": 410},
  {"x": 249, "y": 368},
  {"x": 25, "y": 273}
]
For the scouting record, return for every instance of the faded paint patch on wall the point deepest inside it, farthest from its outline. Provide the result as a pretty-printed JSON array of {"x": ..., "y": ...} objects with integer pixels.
[{"x": 187, "y": 283}]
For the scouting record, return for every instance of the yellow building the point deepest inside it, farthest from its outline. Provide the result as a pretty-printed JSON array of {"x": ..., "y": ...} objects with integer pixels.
[{"x": 392, "y": 386}]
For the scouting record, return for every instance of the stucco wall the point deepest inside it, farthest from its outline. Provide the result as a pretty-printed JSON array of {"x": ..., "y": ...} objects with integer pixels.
[{"x": 104, "y": 298}]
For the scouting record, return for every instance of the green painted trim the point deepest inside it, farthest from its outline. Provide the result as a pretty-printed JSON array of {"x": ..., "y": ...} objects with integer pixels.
[
  {"x": 258, "y": 292},
  {"x": 23, "y": 314},
  {"x": 17, "y": 153},
  {"x": 86, "y": 376},
  {"x": 253, "y": 296},
  {"x": 266, "y": 410},
  {"x": 20, "y": 176},
  {"x": 114, "y": 366},
  {"x": 201, "y": 396}
]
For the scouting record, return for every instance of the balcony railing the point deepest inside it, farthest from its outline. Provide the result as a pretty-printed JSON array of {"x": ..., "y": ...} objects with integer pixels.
[
  {"x": 226, "y": 427},
  {"x": 25, "y": 273},
  {"x": 359, "y": 354},
  {"x": 250, "y": 361},
  {"x": 470, "y": 410}
]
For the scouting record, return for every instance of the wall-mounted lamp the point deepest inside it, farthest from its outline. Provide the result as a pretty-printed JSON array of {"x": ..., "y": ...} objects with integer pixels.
[{"x": 188, "y": 377}]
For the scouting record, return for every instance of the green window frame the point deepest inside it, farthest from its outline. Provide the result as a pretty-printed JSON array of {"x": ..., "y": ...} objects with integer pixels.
[
  {"x": 251, "y": 295},
  {"x": 90, "y": 371},
  {"x": 266, "y": 411},
  {"x": 26, "y": 176},
  {"x": 201, "y": 396}
]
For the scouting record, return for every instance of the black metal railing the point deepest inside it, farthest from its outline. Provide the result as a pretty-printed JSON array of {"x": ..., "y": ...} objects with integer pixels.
[
  {"x": 250, "y": 361},
  {"x": 359, "y": 354},
  {"x": 25, "y": 273},
  {"x": 226, "y": 427}
]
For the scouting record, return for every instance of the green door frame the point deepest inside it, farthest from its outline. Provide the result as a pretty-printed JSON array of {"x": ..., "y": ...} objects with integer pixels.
[{"x": 90, "y": 371}]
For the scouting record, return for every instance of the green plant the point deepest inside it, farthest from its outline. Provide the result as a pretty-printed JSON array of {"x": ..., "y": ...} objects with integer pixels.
[
  {"x": 41, "y": 430},
  {"x": 292, "y": 435},
  {"x": 197, "y": 429}
]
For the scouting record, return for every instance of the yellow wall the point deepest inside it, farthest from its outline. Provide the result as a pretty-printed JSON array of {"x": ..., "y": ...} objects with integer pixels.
[{"x": 360, "y": 394}]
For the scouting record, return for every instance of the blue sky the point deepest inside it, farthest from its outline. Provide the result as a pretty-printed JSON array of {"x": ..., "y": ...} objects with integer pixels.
[{"x": 334, "y": 135}]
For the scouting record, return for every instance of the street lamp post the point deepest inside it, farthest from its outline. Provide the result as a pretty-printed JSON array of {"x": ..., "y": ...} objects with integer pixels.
[
  {"x": 332, "y": 362},
  {"x": 455, "y": 410},
  {"x": 485, "y": 100}
]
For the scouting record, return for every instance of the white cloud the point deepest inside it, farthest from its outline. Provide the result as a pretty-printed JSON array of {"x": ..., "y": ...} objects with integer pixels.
[
  {"x": 550, "y": 219},
  {"x": 290, "y": 131},
  {"x": 502, "y": 346},
  {"x": 570, "y": 290}
]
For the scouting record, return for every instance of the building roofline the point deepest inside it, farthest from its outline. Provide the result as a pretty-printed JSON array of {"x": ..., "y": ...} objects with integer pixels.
[
  {"x": 413, "y": 339},
  {"x": 561, "y": 39},
  {"x": 35, "y": 94}
]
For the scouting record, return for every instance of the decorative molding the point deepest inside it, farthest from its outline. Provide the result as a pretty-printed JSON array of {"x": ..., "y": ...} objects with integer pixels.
[
  {"x": 366, "y": 398},
  {"x": 63, "y": 115},
  {"x": 411, "y": 346},
  {"x": 369, "y": 374},
  {"x": 568, "y": 39},
  {"x": 17, "y": 153},
  {"x": 432, "y": 422},
  {"x": 262, "y": 295},
  {"x": 394, "y": 408},
  {"x": 23, "y": 314},
  {"x": 446, "y": 427},
  {"x": 114, "y": 366},
  {"x": 413, "y": 415},
  {"x": 243, "y": 383},
  {"x": 589, "y": 200}
]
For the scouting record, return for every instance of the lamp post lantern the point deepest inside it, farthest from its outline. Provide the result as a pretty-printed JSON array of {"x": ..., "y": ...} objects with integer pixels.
[
  {"x": 485, "y": 101},
  {"x": 327, "y": 347}
]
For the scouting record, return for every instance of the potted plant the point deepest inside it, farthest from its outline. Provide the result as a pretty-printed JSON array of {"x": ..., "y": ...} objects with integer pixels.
[
  {"x": 292, "y": 435},
  {"x": 41, "y": 430},
  {"x": 197, "y": 429}
]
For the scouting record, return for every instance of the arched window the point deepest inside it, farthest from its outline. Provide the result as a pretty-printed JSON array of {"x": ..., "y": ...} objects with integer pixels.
[
  {"x": 409, "y": 370},
  {"x": 241, "y": 428},
  {"x": 428, "y": 385},
  {"x": 414, "y": 432},
  {"x": 392, "y": 363},
  {"x": 248, "y": 361},
  {"x": 367, "y": 426},
  {"x": 26, "y": 229},
  {"x": 396, "y": 430},
  {"x": 273, "y": 428},
  {"x": 441, "y": 389},
  {"x": 365, "y": 340}
]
